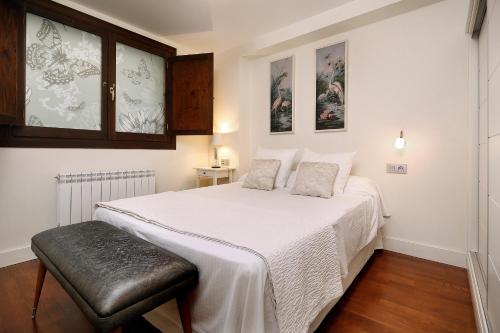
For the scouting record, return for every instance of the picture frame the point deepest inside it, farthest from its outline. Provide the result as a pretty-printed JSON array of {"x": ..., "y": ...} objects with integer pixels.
[
  {"x": 281, "y": 96},
  {"x": 331, "y": 107}
]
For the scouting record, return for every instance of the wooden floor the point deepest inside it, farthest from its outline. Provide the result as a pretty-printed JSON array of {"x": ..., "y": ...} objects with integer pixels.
[
  {"x": 393, "y": 293},
  {"x": 399, "y": 293}
]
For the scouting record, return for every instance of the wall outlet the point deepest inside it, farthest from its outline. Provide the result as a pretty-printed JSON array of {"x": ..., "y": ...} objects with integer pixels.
[
  {"x": 224, "y": 162},
  {"x": 397, "y": 168}
]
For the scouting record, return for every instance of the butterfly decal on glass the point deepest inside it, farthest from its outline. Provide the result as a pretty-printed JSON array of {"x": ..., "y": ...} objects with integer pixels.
[
  {"x": 136, "y": 76},
  {"x": 76, "y": 108},
  {"x": 34, "y": 121},
  {"x": 54, "y": 60},
  {"x": 130, "y": 100}
]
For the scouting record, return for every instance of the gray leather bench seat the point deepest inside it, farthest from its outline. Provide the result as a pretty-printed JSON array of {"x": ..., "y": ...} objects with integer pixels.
[{"x": 112, "y": 275}]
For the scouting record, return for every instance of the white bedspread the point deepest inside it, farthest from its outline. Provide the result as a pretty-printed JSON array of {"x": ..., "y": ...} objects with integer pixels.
[{"x": 293, "y": 235}]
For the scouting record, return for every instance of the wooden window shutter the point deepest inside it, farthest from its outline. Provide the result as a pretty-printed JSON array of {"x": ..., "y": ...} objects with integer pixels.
[
  {"x": 9, "y": 70},
  {"x": 190, "y": 89}
]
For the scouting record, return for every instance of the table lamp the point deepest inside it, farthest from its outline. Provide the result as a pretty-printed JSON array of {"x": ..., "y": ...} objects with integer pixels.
[{"x": 216, "y": 142}]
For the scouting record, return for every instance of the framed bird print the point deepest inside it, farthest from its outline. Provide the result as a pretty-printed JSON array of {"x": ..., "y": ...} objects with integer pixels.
[
  {"x": 281, "y": 96},
  {"x": 331, "y": 88}
]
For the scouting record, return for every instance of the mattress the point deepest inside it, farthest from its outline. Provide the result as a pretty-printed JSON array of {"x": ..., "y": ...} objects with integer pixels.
[{"x": 233, "y": 294}]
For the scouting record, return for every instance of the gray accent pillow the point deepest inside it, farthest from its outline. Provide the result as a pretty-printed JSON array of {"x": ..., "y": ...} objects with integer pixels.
[
  {"x": 262, "y": 174},
  {"x": 315, "y": 179}
]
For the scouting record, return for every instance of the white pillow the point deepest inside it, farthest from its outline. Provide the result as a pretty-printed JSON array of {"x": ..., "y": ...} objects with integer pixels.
[
  {"x": 286, "y": 156},
  {"x": 243, "y": 177},
  {"x": 344, "y": 161},
  {"x": 291, "y": 179},
  {"x": 262, "y": 174},
  {"x": 315, "y": 179}
]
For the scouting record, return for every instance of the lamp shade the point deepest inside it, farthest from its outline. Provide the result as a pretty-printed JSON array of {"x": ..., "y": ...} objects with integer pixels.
[{"x": 217, "y": 139}]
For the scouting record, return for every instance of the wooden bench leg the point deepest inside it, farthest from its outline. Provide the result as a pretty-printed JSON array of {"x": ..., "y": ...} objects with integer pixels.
[
  {"x": 184, "y": 312},
  {"x": 39, "y": 284}
]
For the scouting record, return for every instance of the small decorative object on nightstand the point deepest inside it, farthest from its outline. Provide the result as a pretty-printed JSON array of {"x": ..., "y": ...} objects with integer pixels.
[{"x": 214, "y": 173}]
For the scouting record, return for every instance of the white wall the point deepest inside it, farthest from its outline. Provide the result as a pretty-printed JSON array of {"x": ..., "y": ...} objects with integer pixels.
[
  {"x": 28, "y": 188},
  {"x": 231, "y": 116},
  {"x": 407, "y": 72},
  {"x": 491, "y": 79}
]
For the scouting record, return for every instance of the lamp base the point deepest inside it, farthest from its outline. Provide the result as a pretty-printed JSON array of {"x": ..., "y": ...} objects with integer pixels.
[{"x": 215, "y": 166}]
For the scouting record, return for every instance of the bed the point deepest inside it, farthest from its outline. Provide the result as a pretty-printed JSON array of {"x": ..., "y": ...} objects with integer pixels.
[{"x": 238, "y": 290}]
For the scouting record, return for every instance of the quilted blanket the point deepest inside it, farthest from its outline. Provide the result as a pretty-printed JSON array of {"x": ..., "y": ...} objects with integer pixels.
[{"x": 300, "y": 254}]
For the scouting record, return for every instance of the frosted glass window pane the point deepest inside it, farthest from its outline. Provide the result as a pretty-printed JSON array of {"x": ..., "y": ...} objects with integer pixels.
[
  {"x": 63, "y": 76},
  {"x": 140, "y": 91}
]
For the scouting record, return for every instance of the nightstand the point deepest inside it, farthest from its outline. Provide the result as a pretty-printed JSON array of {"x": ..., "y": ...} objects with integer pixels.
[{"x": 214, "y": 173}]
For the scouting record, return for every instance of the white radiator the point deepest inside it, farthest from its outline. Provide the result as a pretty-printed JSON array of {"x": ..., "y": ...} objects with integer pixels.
[{"x": 78, "y": 193}]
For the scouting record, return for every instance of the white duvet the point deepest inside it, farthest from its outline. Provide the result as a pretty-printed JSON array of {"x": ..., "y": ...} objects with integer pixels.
[{"x": 268, "y": 261}]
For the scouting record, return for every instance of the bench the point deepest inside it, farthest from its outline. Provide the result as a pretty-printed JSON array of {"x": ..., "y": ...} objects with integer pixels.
[{"x": 112, "y": 275}]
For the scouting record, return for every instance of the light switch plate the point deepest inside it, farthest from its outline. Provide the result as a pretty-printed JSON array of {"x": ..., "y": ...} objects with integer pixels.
[
  {"x": 224, "y": 162},
  {"x": 397, "y": 168}
]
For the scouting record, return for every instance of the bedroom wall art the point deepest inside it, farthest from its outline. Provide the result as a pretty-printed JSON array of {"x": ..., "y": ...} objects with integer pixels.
[
  {"x": 281, "y": 92},
  {"x": 331, "y": 70}
]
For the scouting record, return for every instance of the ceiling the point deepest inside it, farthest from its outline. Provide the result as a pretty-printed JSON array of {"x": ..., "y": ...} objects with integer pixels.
[{"x": 210, "y": 25}]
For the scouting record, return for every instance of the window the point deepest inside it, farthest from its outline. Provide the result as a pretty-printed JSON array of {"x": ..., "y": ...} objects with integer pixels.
[
  {"x": 82, "y": 82},
  {"x": 63, "y": 76},
  {"x": 140, "y": 91}
]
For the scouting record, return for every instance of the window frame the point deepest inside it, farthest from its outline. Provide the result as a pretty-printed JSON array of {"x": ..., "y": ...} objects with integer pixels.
[{"x": 21, "y": 135}]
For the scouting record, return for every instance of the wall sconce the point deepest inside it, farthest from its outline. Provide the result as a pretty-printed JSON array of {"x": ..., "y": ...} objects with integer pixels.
[
  {"x": 400, "y": 142},
  {"x": 216, "y": 142}
]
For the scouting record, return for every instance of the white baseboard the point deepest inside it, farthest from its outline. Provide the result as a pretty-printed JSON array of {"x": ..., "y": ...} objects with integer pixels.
[
  {"x": 481, "y": 323},
  {"x": 15, "y": 256},
  {"x": 425, "y": 251}
]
